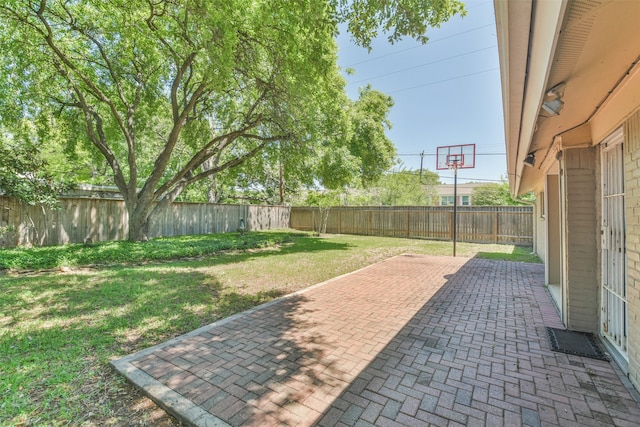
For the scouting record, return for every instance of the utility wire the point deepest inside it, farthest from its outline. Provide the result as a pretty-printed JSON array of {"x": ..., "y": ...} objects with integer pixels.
[
  {"x": 434, "y": 154},
  {"x": 422, "y": 65},
  {"x": 422, "y": 45},
  {"x": 471, "y": 179},
  {"x": 442, "y": 81}
]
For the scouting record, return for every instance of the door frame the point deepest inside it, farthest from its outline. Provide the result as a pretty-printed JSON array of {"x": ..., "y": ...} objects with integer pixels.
[{"x": 619, "y": 352}]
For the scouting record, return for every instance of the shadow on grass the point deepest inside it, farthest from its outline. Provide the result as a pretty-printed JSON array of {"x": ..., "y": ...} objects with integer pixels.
[
  {"x": 158, "y": 250},
  {"x": 518, "y": 254},
  {"x": 59, "y": 330},
  {"x": 295, "y": 246}
]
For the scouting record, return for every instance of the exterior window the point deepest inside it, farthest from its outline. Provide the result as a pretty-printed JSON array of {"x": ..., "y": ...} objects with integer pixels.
[
  {"x": 446, "y": 200},
  {"x": 465, "y": 201}
]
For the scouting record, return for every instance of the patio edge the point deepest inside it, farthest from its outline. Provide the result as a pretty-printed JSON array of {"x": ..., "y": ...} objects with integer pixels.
[{"x": 176, "y": 404}]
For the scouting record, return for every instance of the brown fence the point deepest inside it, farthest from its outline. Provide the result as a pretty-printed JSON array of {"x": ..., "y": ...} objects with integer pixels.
[
  {"x": 82, "y": 219},
  {"x": 484, "y": 224}
]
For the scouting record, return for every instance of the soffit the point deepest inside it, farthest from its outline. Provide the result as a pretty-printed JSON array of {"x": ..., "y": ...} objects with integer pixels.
[{"x": 598, "y": 43}]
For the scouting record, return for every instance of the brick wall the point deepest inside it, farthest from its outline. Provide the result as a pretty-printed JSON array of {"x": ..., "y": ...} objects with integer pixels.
[{"x": 632, "y": 211}]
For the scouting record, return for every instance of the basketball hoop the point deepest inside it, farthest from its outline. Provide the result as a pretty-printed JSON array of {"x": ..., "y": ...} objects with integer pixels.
[
  {"x": 454, "y": 157},
  {"x": 455, "y": 161}
]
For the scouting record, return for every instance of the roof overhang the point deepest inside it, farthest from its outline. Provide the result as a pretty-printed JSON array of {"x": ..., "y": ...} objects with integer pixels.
[
  {"x": 586, "y": 48},
  {"x": 527, "y": 36}
]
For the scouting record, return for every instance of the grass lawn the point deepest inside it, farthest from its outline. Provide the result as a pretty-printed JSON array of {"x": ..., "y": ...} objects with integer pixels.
[{"x": 59, "y": 329}]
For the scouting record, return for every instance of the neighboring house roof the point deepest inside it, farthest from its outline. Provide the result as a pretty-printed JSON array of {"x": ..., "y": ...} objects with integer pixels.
[
  {"x": 463, "y": 189},
  {"x": 94, "y": 191},
  {"x": 588, "y": 50}
]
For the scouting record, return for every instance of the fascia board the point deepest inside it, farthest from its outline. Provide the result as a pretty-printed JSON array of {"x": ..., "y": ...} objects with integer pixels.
[
  {"x": 513, "y": 20},
  {"x": 547, "y": 19}
]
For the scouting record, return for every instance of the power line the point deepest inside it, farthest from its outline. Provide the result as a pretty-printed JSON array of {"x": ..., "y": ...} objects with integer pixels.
[
  {"x": 422, "y": 65},
  {"x": 434, "y": 154},
  {"x": 442, "y": 81},
  {"x": 415, "y": 47},
  {"x": 471, "y": 179}
]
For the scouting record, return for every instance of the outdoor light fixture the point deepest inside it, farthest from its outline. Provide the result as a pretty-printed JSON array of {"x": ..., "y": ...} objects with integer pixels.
[
  {"x": 553, "y": 107},
  {"x": 530, "y": 160},
  {"x": 553, "y": 99}
]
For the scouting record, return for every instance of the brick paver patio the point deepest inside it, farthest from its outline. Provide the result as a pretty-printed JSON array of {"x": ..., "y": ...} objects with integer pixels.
[{"x": 411, "y": 341}]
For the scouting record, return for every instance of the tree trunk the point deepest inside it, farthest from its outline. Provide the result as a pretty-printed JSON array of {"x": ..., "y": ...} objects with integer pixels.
[
  {"x": 281, "y": 184},
  {"x": 139, "y": 230},
  {"x": 139, "y": 223},
  {"x": 212, "y": 194},
  {"x": 211, "y": 182}
]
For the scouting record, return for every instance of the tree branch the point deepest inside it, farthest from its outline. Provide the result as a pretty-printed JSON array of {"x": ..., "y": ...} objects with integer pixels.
[
  {"x": 239, "y": 160},
  {"x": 93, "y": 88},
  {"x": 128, "y": 129},
  {"x": 161, "y": 162},
  {"x": 93, "y": 118}
]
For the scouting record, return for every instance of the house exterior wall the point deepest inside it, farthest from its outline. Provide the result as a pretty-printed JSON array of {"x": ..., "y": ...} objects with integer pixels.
[
  {"x": 552, "y": 230},
  {"x": 591, "y": 49},
  {"x": 581, "y": 225},
  {"x": 632, "y": 211},
  {"x": 540, "y": 226},
  {"x": 464, "y": 194}
]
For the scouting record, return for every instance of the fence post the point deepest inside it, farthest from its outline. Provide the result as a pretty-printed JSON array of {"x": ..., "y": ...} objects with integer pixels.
[
  {"x": 495, "y": 227},
  {"x": 408, "y": 224}
]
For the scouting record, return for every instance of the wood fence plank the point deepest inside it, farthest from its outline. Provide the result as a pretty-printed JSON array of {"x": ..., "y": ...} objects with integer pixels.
[
  {"x": 80, "y": 219},
  {"x": 483, "y": 224}
]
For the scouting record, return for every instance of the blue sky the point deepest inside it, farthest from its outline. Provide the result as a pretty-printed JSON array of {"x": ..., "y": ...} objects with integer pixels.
[{"x": 446, "y": 92}]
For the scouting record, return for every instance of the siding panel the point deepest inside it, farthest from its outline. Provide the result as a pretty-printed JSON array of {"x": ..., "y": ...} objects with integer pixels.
[{"x": 582, "y": 239}]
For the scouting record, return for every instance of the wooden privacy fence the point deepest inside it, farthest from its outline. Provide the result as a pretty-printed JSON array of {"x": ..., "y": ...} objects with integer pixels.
[
  {"x": 81, "y": 219},
  {"x": 482, "y": 224}
]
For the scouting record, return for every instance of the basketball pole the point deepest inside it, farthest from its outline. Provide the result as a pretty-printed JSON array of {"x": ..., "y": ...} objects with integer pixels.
[
  {"x": 453, "y": 157},
  {"x": 455, "y": 206}
]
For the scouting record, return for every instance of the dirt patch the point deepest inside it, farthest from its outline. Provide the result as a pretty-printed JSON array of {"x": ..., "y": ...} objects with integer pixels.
[{"x": 121, "y": 404}]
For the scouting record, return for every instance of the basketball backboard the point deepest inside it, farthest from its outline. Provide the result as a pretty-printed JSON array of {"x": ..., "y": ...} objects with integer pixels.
[{"x": 456, "y": 156}]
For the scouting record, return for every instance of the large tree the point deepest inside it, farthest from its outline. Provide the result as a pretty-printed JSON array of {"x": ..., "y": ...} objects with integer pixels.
[
  {"x": 170, "y": 92},
  {"x": 397, "y": 187},
  {"x": 407, "y": 188},
  {"x": 24, "y": 173},
  {"x": 361, "y": 155},
  {"x": 498, "y": 194}
]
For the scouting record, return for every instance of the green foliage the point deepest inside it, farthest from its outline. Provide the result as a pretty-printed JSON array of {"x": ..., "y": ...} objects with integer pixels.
[
  {"x": 115, "y": 252},
  {"x": 24, "y": 174},
  {"x": 396, "y": 18},
  {"x": 323, "y": 199},
  {"x": 397, "y": 187},
  {"x": 170, "y": 93},
  {"x": 368, "y": 142},
  {"x": 355, "y": 156},
  {"x": 404, "y": 188},
  {"x": 494, "y": 194}
]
